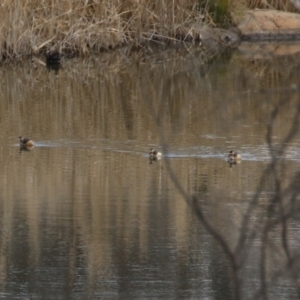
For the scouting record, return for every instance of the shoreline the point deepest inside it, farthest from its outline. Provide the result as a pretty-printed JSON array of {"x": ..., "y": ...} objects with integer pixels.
[{"x": 34, "y": 28}]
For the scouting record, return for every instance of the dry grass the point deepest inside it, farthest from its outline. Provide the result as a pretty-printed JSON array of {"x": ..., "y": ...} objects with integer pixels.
[
  {"x": 35, "y": 26},
  {"x": 82, "y": 26},
  {"x": 285, "y": 5}
]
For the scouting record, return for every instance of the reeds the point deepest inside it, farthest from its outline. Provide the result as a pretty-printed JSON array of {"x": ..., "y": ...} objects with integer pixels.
[
  {"x": 79, "y": 27},
  {"x": 285, "y": 5},
  {"x": 36, "y": 26}
]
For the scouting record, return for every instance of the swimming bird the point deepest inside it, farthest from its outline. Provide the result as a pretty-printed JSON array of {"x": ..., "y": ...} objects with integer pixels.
[
  {"x": 26, "y": 143},
  {"x": 154, "y": 154},
  {"x": 234, "y": 156},
  {"x": 53, "y": 57}
]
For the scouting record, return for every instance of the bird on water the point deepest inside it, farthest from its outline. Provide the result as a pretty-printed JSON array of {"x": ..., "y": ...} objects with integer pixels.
[
  {"x": 153, "y": 153},
  {"x": 234, "y": 156},
  {"x": 26, "y": 143}
]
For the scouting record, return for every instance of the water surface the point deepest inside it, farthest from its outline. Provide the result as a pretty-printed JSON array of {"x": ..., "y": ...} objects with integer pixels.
[{"x": 85, "y": 215}]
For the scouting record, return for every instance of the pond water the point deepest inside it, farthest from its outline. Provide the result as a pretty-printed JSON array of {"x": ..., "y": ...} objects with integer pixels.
[{"x": 86, "y": 215}]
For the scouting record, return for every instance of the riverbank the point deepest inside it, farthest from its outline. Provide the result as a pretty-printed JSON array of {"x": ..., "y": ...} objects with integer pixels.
[
  {"x": 79, "y": 27},
  {"x": 82, "y": 27}
]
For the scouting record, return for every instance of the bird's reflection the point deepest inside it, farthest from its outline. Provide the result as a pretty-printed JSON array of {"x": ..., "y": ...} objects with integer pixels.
[
  {"x": 232, "y": 163},
  {"x": 153, "y": 159},
  {"x": 25, "y": 149}
]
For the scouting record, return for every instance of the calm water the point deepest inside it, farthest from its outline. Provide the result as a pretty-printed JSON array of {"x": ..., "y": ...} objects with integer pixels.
[{"x": 84, "y": 215}]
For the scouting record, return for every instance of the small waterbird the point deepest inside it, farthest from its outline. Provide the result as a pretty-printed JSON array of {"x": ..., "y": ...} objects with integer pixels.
[
  {"x": 234, "y": 156},
  {"x": 154, "y": 154},
  {"x": 53, "y": 57},
  {"x": 26, "y": 143}
]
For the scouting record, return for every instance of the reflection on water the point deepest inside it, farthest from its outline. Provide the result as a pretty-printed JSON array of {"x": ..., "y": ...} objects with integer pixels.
[{"x": 86, "y": 216}]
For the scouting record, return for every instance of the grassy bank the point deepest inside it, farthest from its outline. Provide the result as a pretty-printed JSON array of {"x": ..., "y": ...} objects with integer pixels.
[
  {"x": 81, "y": 26},
  {"x": 78, "y": 27}
]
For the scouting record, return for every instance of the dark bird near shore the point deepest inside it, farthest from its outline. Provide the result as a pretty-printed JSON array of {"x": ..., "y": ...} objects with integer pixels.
[{"x": 53, "y": 57}]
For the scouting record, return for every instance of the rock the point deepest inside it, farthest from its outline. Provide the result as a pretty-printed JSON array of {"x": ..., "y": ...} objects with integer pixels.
[{"x": 269, "y": 25}]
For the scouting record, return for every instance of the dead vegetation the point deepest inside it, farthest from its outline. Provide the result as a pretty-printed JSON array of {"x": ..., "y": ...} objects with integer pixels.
[
  {"x": 83, "y": 26},
  {"x": 79, "y": 27}
]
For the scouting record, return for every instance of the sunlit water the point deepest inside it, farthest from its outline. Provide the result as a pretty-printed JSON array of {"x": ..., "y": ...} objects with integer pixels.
[{"x": 86, "y": 215}]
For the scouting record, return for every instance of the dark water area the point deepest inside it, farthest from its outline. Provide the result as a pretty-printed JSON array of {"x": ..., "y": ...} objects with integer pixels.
[{"x": 86, "y": 215}]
